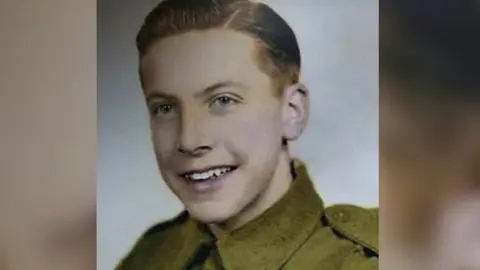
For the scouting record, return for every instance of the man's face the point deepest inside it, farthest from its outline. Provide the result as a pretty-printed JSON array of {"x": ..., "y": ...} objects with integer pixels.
[{"x": 212, "y": 108}]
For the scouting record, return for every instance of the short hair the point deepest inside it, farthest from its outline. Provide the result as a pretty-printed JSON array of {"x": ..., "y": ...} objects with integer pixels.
[
  {"x": 278, "y": 50},
  {"x": 432, "y": 47}
]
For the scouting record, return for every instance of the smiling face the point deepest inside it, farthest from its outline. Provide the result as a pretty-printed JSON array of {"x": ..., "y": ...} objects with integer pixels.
[{"x": 212, "y": 107}]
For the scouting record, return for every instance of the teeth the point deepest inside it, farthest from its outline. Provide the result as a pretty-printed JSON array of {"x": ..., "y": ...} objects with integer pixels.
[{"x": 208, "y": 174}]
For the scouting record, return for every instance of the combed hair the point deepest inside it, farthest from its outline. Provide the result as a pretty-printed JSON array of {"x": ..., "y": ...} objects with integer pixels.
[{"x": 278, "y": 50}]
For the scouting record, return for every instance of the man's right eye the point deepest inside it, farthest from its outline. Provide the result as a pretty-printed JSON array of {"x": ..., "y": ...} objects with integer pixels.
[{"x": 161, "y": 109}]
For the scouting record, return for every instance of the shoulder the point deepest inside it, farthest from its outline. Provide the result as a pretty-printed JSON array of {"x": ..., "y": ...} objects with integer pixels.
[
  {"x": 151, "y": 239},
  {"x": 346, "y": 238},
  {"x": 358, "y": 225}
]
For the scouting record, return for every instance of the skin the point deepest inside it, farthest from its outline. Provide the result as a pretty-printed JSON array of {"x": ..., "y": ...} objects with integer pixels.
[
  {"x": 239, "y": 121},
  {"x": 429, "y": 189},
  {"x": 457, "y": 242},
  {"x": 407, "y": 166}
]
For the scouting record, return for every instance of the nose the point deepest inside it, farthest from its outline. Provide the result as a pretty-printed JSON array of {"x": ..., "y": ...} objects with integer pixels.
[{"x": 193, "y": 138}]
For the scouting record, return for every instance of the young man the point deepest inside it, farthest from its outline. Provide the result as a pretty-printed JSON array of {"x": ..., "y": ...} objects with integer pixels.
[{"x": 221, "y": 82}]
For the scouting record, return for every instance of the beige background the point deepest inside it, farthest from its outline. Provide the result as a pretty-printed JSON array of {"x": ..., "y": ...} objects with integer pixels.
[{"x": 47, "y": 134}]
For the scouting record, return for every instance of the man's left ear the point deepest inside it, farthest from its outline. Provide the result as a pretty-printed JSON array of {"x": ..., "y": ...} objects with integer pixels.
[{"x": 295, "y": 110}]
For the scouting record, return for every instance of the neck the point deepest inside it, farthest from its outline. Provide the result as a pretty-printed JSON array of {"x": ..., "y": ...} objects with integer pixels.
[{"x": 278, "y": 186}]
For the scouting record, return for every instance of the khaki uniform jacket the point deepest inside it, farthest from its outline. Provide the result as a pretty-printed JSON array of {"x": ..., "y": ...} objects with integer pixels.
[{"x": 294, "y": 234}]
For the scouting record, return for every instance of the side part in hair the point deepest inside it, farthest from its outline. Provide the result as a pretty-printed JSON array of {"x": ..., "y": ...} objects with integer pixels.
[{"x": 278, "y": 54}]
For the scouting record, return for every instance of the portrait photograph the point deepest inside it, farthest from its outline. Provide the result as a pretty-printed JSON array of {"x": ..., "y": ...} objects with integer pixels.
[{"x": 237, "y": 134}]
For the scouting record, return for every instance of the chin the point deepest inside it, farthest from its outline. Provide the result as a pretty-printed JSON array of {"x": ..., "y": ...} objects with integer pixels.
[{"x": 208, "y": 213}]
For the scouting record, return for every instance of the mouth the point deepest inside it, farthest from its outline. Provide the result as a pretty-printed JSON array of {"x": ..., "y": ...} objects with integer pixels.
[{"x": 205, "y": 175}]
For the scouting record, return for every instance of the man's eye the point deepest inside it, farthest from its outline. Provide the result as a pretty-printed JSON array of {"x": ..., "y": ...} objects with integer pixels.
[
  {"x": 223, "y": 101},
  {"x": 162, "y": 109}
]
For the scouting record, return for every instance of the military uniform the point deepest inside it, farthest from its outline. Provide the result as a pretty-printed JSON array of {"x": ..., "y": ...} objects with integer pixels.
[{"x": 297, "y": 232}]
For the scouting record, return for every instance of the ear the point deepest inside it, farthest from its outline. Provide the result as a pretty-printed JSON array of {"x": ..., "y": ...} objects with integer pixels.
[{"x": 295, "y": 110}]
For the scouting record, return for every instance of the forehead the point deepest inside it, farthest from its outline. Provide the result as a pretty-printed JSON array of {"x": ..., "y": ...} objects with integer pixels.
[{"x": 197, "y": 59}]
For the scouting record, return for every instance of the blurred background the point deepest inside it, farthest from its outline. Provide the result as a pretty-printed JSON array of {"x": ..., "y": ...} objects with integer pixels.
[
  {"x": 47, "y": 135},
  {"x": 339, "y": 44},
  {"x": 429, "y": 134}
]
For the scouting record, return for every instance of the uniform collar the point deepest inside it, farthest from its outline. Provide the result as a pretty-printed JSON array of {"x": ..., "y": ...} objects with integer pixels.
[{"x": 270, "y": 239}]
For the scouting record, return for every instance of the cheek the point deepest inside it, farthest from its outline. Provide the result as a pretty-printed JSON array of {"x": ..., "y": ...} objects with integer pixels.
[
  {"x": 164, "y": 139},
  {"x": 253, "y": 132}
]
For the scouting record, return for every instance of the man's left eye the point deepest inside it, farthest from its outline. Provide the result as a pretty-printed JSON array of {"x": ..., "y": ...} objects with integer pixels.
[{"x": 223, "y": 101}]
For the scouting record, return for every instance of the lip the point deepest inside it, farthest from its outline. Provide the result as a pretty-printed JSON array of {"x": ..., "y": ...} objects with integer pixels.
[
  {"x": 200, "y": 188},
  {"x": 205, "y": 169}
]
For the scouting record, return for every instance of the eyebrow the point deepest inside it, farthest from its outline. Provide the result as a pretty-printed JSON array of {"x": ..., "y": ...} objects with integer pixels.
[
  {"x": 205, "y": 92},
  {"x": 214, "y": 87}
]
